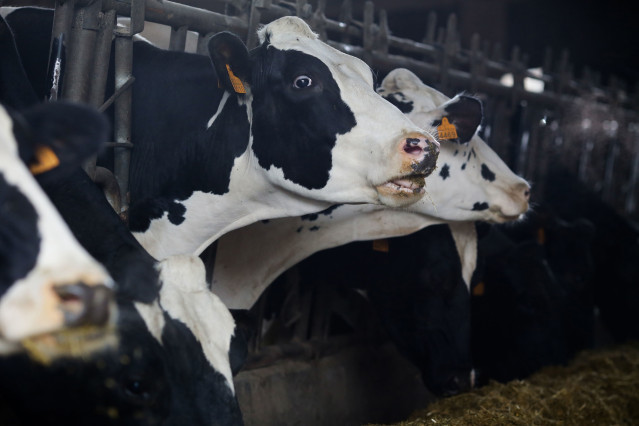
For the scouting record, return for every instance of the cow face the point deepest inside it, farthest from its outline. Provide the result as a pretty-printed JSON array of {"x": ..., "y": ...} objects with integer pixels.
[
  {"x": 48, "y": 283},
  {"x": 171, "y": 367},
  {"x": 472, "y": 182},
  {"x": 318, "y": 128}
]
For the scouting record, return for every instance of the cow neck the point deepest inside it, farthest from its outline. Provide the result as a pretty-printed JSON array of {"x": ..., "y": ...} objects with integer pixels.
[{"x": 296, "y": 238}]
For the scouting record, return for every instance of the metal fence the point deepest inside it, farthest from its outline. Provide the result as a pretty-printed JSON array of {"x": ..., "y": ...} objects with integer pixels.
[{"x": 591, "y": 129}]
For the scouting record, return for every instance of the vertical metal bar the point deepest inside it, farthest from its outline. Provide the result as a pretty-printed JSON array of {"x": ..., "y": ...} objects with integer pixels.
[
  {"x": 253, "y": 22},
  {"x": 102, "y": 59},
  {"x": 178, "y": 38},
  {"x": 122, "y": 119},
  {"x": 100, "y": 67},
  {"x": 80, "y": 53},
  {"x": 203, "y": 43},
  {"x": 346, "y": 16},
  {"x": 369, "y": 13}
]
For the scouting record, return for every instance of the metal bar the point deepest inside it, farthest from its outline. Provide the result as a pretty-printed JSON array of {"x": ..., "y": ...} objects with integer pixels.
[
  {"x": 178, "y": 38},
  {"x": 102, "y": 59},
  {"x": 122, "y": 119},
  {"x": 80, "y": 53}
]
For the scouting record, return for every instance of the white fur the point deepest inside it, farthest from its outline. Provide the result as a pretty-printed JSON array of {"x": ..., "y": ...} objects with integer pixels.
[{"x": 185, "y": 296}]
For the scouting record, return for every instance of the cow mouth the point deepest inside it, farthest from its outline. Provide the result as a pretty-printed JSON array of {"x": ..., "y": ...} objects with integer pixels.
[
  {"x": 76, "y": 342},
  {"x": 407, "y": 186}
]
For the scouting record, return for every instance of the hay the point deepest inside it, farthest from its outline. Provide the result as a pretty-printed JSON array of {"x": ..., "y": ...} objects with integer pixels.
[{"x": 599, "y": 387}]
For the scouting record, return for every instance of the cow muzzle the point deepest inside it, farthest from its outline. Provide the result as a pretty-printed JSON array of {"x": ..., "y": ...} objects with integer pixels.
[{"x": 419, "y": 154}]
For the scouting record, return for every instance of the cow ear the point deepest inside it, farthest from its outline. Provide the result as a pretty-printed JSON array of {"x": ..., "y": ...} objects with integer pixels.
[
  {"x": 230, "y": 58},
  {"x": 400, "y": 79},
  {"x": 59, "y": 135},
  {"x": 460, "y": 117}
]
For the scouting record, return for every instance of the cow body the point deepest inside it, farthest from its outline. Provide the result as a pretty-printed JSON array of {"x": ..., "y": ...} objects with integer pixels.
[
  {"x": 308, "y": 131},
  {"x": 177, "y": 341},
  {"x": 48, "y": 282},
  {"x": 474, "y": 176}
]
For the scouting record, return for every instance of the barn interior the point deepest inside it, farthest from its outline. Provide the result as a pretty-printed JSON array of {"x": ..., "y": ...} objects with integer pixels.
[{"x": 558, "y": 83}]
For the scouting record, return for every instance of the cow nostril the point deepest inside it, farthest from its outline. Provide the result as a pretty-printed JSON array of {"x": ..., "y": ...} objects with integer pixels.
[{"x": 83, "y": 304}]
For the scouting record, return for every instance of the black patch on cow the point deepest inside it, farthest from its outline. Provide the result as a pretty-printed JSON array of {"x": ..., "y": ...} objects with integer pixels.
[
  {"x": 445, "y": 172},
  {"x": 400, "y": 102},
  {"x": 199, "y": 394},
  {"x": 130, "y": 379},
  {"x": 265, "y": 220},
  {"x": 296, "y": 129},
  {"x": 19, "y": 238},
  {"x": 486, "y": 173},
  {"x": 456, "y": 152},
  {"x": 98, "y": 228},
  {"x": 298, "y": 230},
  {"x": 314, "y": 228},
  {"x": 471, "y": 153},
  {"x": 466, "y": 115},
  {"x": 463, "y": 166},
  {"x": 328, "y": 211},
  {"x": 176, "y": 213},
  {"x": 310, "y": 217},
  {"x": 175, "y": 154},
  {"x": 480, "y": 206}
]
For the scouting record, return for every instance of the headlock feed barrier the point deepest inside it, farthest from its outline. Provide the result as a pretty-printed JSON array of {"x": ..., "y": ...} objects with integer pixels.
[{"x": 590, "y": 129}]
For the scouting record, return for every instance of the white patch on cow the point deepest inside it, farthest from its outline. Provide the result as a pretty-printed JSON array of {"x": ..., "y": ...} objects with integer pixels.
[
  {"x": 30, "y": 306},
  {"x": 225, "y": 97},
  {"x": 185, "y": 297},
  {"x": 465, "y": 237}
]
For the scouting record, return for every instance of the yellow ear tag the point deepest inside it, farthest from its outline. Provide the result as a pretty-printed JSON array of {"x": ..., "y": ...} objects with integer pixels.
[
  {"x": 479, "y": 289},
  {"x": 236, "y": 82},
  {"x": 446, "y": 130},
  {"x": 380, "y": 245},
  {"x": 45, "y": 160},
  {"x": 541, "y": 236}
]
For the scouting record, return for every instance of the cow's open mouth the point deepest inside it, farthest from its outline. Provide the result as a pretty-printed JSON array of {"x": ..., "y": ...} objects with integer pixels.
[
  {"x": 404, "y": 186},
  {"x": 72, "y": 342}
]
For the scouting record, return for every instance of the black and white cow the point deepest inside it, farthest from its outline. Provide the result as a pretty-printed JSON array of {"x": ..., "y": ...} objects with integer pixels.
[
  {"x": 615, "y": 251},
  {"x": 177, "y": 345},
  {"x": 471, "y": 176},
  {"x": 52, "y": 291},
  {"x": 293, "y": 127}
]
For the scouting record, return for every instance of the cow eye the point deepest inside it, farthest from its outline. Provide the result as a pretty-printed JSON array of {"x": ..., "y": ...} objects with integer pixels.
[
  {"x": 302, "y": 82},
  {"x": 137, "y": 388}
]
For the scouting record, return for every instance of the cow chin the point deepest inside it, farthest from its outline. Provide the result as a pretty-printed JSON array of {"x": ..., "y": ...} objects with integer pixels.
[
  {"x": 76, "y": 342},
  {"x": 397, "y": 195}
]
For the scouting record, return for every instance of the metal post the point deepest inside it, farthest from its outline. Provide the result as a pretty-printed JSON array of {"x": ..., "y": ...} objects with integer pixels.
[
  {"x": 80, "y": 54},
  {"x": 178, "y": 38}
]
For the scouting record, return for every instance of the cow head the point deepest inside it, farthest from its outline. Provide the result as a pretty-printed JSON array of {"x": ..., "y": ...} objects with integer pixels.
[
  {"x": 318, "y": 129},
  {"x": 171, "y": 366},
  {"x": 52, "y": 293},
  {"x": 472, "y": 182}
]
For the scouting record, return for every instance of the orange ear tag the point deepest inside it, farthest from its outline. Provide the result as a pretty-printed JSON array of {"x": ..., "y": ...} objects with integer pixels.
[
  {"x": 479, "y": 289},
  {"x": 45, "y": 160},
  {"x": 446, "y": 130},
  {"x": 380, "y": 245},
  {"x": 236, "y": 82}
]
